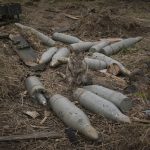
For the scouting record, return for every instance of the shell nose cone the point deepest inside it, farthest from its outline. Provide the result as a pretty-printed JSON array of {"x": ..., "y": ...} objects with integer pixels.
[
  {"x": 91, "y": 132},
  {"x": 44, "y": 103},
  {"x": 139, "y": 38},
  {"x": 53, "y": 63},
  {"x": 124, "y": 118}
]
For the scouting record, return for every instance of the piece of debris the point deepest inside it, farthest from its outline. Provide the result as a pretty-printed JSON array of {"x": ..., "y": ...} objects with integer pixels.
[
  {"x": 33, "y": 40},
  {"x": 24, "y": 50},
  {"x": 76, "y": 71},
  {"x": 98, "y": 47},
  {"x": 72, "y": 17},
  {"x": 36, "y": 89},
  {"x": 39, "y": 127},
  {"x": 71, "y": 134},
  {"x": 119, "y": 99},
  {"x": 47, "y": 55},
  {"x": 147, "y": 113},
  {"x": 63, "y": 60},
  {"x": 95, "y": 64},
  {"x": 61, "y": 75},
  {"x": 99, "y": 105},
  {"x": 116, "y": 47},
  {"x": 35, "y": 135},
  {"x": 46, "y": 115},
  {"x": 44, "y": 39},
  {"x": 72, "y": 116},
  {"x": 111, "y": 80},
  {"x": 109, "y": 61},
  {"x": 65, "y": 38},
  {"x": 33, "y": 114},
  {"x": 61, "y": 53},
  {"x": 103, "y": 71},
  {"x": 113, "y": 69},
  {"x": 135, "y": 119},
  {"x": 111, "y": 40},
  {"x": 9, "y": 12},
  {"x": 82, "y": 46},
  {"x": 4, "y": 36}
]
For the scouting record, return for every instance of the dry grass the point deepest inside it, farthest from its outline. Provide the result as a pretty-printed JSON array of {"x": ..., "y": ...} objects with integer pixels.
[
  {"x": 14, "y": 100},
  {"x": 10, "y": 73}
]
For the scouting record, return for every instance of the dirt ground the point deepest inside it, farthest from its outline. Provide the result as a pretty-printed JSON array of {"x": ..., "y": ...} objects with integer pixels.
[{"x": 97, "y": 19}]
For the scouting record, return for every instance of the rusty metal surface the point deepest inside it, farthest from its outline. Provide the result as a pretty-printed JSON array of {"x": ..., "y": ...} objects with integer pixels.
[{"x": 24, "y": 50}]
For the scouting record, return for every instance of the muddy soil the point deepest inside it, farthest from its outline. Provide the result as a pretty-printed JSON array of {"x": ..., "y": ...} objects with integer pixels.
[{"x": 97, "y": 19}]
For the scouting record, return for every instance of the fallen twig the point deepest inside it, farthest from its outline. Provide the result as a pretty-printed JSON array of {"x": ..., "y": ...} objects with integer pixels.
[
  {"x": 61, "y": 75},
  {"x": 39, "y": 127},
  {"x": 141, "y": 120},
  {"x": 119, "y": 81},
  {"x": 4, "y": 36},
  {"x": 111, "y": 40},
  {"x": 37, "y": 135},
  {"x": 72, "y": 17},
  {"x": 46, "y": 115}
]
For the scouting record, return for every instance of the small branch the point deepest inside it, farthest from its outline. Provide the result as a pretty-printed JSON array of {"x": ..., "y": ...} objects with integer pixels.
[
  {"x": 72, "y": 17},
  {"x": 141, "y": 120},
  {"x": 37, "y": 135}
]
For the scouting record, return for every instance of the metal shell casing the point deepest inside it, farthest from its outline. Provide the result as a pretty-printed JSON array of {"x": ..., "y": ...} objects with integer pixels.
[
  {"x": 95, "y": 64},
  {"x": 34, "y": 86},
  {"x": 98, "y": 47},
  {"x": 47, "y": 55},
  {"x": 65, "y": 38},
  {"x": 99, "y": 105},
  {"x": 72, "y": 116},
  {"x": 61, "y": 53},
  {"x": 116, "y": 47},
  {"x": 117, "y": 98}
]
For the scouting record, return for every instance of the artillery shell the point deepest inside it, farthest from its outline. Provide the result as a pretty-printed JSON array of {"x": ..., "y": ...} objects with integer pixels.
[
  {"x": 116, "y": 47},
  {"x": 95, "y": 64},
  {"x": 72, "y": 116},
  {"x": 109, "y": 61},
  {"x": 98, "y": 47},
  {"x": 41, "y": 99},
  {"x": 45, "y": 39},
  {"x": 47, "y": 56},
  {"x": 99, "y": 105},
  {"x": 65, "y": 38},
  {"x": 117, "y": 98},
  {"x": 36, "y": 89},
  {"x": 61, "y": 53},
  {"x": 83, "y": 46}
]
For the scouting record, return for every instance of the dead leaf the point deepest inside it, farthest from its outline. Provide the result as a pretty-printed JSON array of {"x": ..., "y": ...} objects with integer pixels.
[{"x": 33, "y": 114}]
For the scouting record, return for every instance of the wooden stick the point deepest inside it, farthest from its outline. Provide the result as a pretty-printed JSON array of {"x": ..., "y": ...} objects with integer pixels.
[
  {"x": 141, "y": 120},
  {"x": 72, "y": 17},
  {"x": 110, "y": 81},
  {"x": 112, "y": 40},
  {"x": 4, "y": 36},
  {"x": 37, "y": 135}
]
